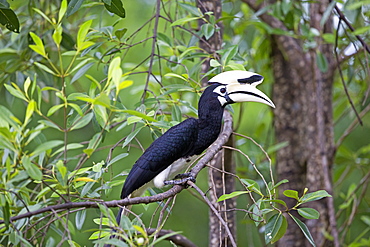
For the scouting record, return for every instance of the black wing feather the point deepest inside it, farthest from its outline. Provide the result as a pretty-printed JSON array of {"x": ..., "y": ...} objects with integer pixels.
[{"x": 175, "y": 143}]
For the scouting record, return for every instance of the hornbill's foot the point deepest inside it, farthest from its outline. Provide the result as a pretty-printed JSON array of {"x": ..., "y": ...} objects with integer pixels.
[{"x": 181, "y": 179}]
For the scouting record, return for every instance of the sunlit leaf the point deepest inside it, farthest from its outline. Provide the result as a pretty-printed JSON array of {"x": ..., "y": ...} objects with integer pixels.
[
  {"x": 57, "y": 35},
  {"x": 53, "y": 109},
  {"x": 15, "y": 92},
  {"x": 141, "y": 115},
  {"x": 182, "y": 21},
  {"x": 314, "y": 196},
  {"x": 231, "y": 195},
  {"x": 291, "y": 194},
  {"x": 82, "y": 32},
  {"x": 62, "y": 10},
  {"x": 39, "y": 46}
]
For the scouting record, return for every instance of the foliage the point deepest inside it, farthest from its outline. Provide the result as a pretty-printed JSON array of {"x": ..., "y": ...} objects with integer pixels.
[{"x": 79, "y": 83}]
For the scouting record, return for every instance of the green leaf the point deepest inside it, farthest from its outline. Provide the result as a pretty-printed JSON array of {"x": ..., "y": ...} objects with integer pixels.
[
  {"x": 31, "y": 107},
  {"x": 141, "y": 115},
  {"x": 16, "y": 92},
  {"x": 182, "y": 21},
  {"x": 70, "y": 146},
  {"x": 73, "y": 6},
  {"x": 357, "y": 5},
  {"x": 327, "y": 13},
  {"x": 133, "y": 119},
  {"x": 291, "y": 194},
  {"x": 85, "y": 120},
  {"x": 45, "y": 68},
  {"x": 176, "y": 76},
  {"x": 280, "y": 183},
  {"x": 101, "y": 115},
  {"x": 116, "y": 7},
  {"x": 131, "y": 136},
  {"x": 53, "y": 109},
  {"x": 308, "y": 213},
  {"x": 214, "y": 63},
  {"x": 39, "y": 46},
  {"x": 81, "y": 35},
  {"x": 62, "y": 169},
  {"x": 192, "y": 9},
  {"x": 46, "y": 146},
  {"x": 208, "y": 30},
  {"x": 57, "y": 35},
  {"x": 281, "y": 202},
  {"x": 252, "y": 185},
  {"x": 6, "y": 214},
  {"x": 176, "y": 113},
  {"x": 62, "y": 10},
  {"x": 76, "y": 108},
  {"x": 304, "y": 229},
  {"x": 231, "y": 195},
  {"x": 314, "y": 196},
  {"x": 117, "y": 158},
  {"x": 322, "y": 62},
  {"x": 81, "y": 72},
  {"x": 229, "y": 54},
  {"x": 275, "y": 228},
  {"x": 9, "y": 19},
  {"x": 120, "y": 33},
  {"x": 43, "y": 15},
  {"x": 32, "y": 170},
  {"x": 361, "y": 30},
  {"x": 365, "y": 219},
  {"x": 80, "y": 219}
]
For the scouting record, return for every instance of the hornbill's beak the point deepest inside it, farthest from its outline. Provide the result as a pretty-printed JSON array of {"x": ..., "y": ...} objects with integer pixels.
[
  {"x": 241, "y": 87},
  {"x": 242, "y": 92}
]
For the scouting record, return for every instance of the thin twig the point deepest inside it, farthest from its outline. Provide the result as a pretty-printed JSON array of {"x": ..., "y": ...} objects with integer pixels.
[
  {"x": 232, "y": 240},
  {"x": 341, "y": 74}
]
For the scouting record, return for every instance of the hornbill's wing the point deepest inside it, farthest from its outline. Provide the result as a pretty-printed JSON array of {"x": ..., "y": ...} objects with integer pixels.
[{"x": 176, "y": 143}]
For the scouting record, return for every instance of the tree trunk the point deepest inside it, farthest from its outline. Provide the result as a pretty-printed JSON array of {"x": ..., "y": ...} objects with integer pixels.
[
  {"x": 219, "y": 183},
  {"x": 303, "y": 118}
]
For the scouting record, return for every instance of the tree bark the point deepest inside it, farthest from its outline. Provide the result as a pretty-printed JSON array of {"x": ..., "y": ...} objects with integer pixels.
[
  {"x": 303, "y": 118},
  {"x": 219, "y": 183}
]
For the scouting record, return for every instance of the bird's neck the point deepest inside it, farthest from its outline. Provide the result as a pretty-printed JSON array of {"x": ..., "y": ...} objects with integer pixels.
[{"x": 209, "y": 123}]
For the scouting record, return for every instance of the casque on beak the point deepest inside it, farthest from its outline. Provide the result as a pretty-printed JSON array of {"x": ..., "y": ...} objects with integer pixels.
[{"x": 243, "y": 92}]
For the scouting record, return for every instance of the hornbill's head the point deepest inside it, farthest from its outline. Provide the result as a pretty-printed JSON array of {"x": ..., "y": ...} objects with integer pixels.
[{"x": 239, "y": 86}]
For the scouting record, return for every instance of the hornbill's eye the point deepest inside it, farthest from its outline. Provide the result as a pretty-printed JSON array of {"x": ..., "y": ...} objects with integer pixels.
[{"x": 223, "y": 90}]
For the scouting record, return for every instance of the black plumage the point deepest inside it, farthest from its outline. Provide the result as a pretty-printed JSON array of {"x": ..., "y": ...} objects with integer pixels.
[{"x": 188, "y": 138}]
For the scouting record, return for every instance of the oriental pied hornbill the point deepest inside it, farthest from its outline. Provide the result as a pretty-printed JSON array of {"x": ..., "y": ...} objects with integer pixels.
[{"x": 175, "y": 149}]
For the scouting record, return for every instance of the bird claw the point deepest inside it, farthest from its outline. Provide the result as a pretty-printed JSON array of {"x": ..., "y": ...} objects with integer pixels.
[{"x": 181, "y": 179}]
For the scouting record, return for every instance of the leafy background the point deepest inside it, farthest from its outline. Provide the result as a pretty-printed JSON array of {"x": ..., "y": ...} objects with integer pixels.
[{"x": 77, "y": 79}]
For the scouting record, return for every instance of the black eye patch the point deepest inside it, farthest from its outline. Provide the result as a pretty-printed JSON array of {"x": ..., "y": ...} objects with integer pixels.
[{"x": 250, "y": 80}]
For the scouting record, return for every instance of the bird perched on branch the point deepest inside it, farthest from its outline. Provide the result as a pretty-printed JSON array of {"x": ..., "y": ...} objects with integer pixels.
[{"x": 176, "y": 148}]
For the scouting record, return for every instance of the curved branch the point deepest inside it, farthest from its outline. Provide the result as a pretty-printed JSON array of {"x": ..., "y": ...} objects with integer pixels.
[
  {"x": 178, "y": 239},
  {"x": 212, "y": 150}
]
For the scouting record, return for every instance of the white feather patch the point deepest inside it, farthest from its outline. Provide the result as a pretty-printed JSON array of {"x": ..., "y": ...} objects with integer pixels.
[{"x": 173, "y": 170}]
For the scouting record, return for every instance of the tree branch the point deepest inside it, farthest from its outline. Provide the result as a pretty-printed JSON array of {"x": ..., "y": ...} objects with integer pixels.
[
  {"x": 177, "y": 239},
  {"x": 212, "y": 150}
]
